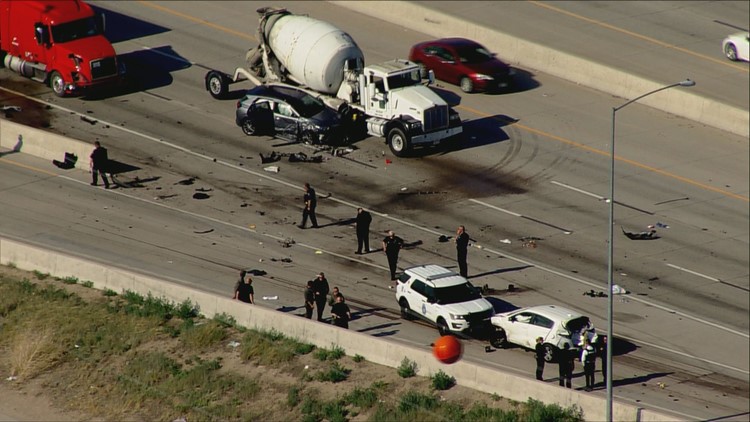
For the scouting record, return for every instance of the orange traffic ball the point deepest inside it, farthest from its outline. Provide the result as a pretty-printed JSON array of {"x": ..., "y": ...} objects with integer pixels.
[{"x": 447, "y": 349}]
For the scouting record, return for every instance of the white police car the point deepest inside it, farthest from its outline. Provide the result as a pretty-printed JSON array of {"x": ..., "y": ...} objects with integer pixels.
[{"x": 442, "y": 297}]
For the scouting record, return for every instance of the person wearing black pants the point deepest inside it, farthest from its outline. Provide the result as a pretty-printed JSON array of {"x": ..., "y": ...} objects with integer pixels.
[
  {"x": 539, "y": 354},
  {"x": 603, "y": 356},
  {"x": 99, "y": 165},
  {"x": 462, "y": 245},
  {"x": 320, "y": 290},
  {"x": 363, "y": 230},
  {"x": 392, "y": 244},
  {"x": 309, "y": 300},
  {"x": 566, "y": 360},
  {"x": 588, "y": 357},
  {"x": 311, "y": 201}
]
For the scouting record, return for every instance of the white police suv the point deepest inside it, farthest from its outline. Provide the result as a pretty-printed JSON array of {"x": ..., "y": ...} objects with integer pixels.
[{"x": 442, "y": 297}]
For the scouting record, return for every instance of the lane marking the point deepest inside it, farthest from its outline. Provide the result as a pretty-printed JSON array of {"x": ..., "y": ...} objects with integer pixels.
[
  {"x": 535, "y": 220},
  {"x": 622, "y": 204},
  {"x": 502, "y": 120},
  {"x": 639, "y": 36},
  {"x": 707, "y": 277}
]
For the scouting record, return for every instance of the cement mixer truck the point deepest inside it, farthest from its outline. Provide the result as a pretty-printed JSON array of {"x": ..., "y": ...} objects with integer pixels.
[{"x": 386, "y": 100}]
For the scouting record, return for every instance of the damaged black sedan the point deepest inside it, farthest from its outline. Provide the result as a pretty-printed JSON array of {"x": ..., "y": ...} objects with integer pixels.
[{"x": 290, "y": 113}]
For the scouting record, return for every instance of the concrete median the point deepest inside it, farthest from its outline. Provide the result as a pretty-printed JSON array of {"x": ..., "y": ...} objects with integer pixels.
[
  {"x": 26, "y": 256},
  {"x": 43, "y": 144},
  {"x": 530, "y": 55}
]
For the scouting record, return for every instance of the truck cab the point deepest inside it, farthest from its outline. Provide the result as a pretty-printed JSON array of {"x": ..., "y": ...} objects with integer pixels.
[{"x": 58, "y": 42}]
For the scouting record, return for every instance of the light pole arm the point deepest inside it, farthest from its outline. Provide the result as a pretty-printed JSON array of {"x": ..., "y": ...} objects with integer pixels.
[{"x": 686, "y": 82}]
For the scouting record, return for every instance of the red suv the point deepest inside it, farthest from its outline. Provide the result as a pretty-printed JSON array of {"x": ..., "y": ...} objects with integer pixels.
[{"x": 464, "y": 63}]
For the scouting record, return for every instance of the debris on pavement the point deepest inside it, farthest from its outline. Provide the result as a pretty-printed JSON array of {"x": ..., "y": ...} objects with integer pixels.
[
  {"x": 186, "y": 182},
  {"x": 69, "y": 163},
  {"x": 507, "y": 241},
  {"x": 592, "y": 293},
  {"x": 618, "y": 290},
  {"x": 201, "y": 195},
  {"x": 233, "y": 343},
  {"x": 270, "y": 298},
  {"x": 287, "y": 243},
  {"x": 271, "y": 169},
  {"x": 645, "y": 235},
  {"x": 203, "y": 231}
]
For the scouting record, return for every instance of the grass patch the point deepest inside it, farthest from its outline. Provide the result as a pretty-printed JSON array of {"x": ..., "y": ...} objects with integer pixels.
[
  {"x": 69, "y": 280},
  {"x": 442, "y": 381},
  {"x": 358, "y": 358},
  {"x": 87, "y": 283},
  {"x": 363, "y": 398},
  {"x": 40, "y": 275},
  {"x": 334, "y": 354},
  {"x": 270, "y": 348},
  {"x": 293, "y": 396},
  {"x": 227, "y": 321},
  {"x": 314, "y": 410},
  {"x": 204, "y": 336},
  {"x": 407, "y": 368},
  {"x": 538, "y": 411},
  {"x": 109, "y": 293},
  {"x": 335, "y": 373}
]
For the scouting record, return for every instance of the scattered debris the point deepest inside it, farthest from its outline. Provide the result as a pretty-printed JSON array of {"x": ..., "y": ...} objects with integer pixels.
[
  {"x": 592, "y": 293},
  {"x": 270, "y": 158},
  {"x": 69, "y": 163},
  {"x": 507, "y": 241},
  {"x": 200, "y": 195},
  {"x": 646, "y": 235},
  {"x": 203, "y": 232},
  {"x": 443, "y": 238},
  {"x": 256, "y": 272},
  {"x": 661, "y": 225},
  {"x": 301, "y": 157},
  {"x": 186, "y": 182},
  {"x": 7, "y": 108},
  {"x": 270, "y": 298},
  {"x": 233, "y": 343},
  {"x": 89, "y": 120},
  {"x": 11, "y": 378},
  {"x": 618, "y": 290},
  {"x": 204, "y": 190},
  {"x": 165, "y": 197},
  {"x": 287, "y": 243},
  {"x": 318, "y": 252},
  {"x": 271, "y": 169}
]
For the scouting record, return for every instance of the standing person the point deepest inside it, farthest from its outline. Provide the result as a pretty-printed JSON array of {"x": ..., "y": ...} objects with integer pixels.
[
  {"x": 311, "y": 201},
  {"x": 392, "y": 244},
  {"x": 539, "y": 354},
  {"x": 334, "y": 292},
  {"x": 363, "y": 230},
  {"x": 244, "y": 290},
  {"x": 99, "y": 164},
  {"x": 462, "y": 244},
  {"x": 602, "y": 346},
  {"x": 588, "y": 357},
  {"x": 566, "y": 360},
  {"x": 309, "y": 299},
  {"x": 320, "y": 290},
  {"x": 340, "y": 313}
]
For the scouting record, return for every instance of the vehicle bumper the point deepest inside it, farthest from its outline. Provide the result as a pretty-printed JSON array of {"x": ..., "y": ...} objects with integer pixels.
[
  {"x": 493, "y": 85},
  {"x": 435, "y": 137}
]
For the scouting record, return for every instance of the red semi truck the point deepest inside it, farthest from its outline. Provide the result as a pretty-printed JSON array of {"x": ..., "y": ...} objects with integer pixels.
[{"x": 58, "y": 42}]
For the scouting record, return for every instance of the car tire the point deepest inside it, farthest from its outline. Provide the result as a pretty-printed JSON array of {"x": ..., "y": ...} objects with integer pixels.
[
  {"x": 731, "y": 52},
  {"x": 216, "y": 84},
  {"x": 398, "y": 142},
  {"x": 442, "y": 327},
  {"x": 498, "y": 339},
  {"x": 405, "y": 310},
  {"x": 467, "y": 85},
  {"x": 57, "y": 83},
  {"x": 550, "y": 353},
  {"x": 248, "y": 127}
]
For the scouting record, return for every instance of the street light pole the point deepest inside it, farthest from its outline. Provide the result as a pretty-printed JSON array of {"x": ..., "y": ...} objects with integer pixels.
[{"x": 610, "y": 247}]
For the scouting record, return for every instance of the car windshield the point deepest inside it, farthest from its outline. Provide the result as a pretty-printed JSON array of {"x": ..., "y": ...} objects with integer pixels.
[
  {"x": 456, "y": 294},
  {"x": 70, "y": 31},
  {"x": 404, "y": 79},
  {"x": 578, "y": 324},
  {"x": 475, "y": 54},
  {"x": 307, "y": 105}
]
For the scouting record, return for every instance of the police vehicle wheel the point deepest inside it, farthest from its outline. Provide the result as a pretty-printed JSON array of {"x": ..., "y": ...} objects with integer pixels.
[
  {"x": 442, "y": 327},
  {"x": 405, "y": 312}
]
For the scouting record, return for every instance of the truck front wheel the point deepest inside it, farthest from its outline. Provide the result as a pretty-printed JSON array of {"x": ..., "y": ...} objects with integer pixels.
[
  {"x": 216, "y": 84},
  {"x": 57, "y": 83},
  {"x": 398, "y": 142}
]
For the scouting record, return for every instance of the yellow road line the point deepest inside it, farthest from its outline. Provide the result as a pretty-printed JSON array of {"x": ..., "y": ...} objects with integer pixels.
[
  {"x": 197, "y": 20},
  {"x": 639, "y": 36},
  {"x": 479, "y": 113},
  {"x": 27, "y": 167}
]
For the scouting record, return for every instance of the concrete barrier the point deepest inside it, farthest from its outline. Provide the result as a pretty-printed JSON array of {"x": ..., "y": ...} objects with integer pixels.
[
  {"x": 530, "y": 55},
  {"x": 26, "y": 256},
  {"x": 43, "y": 144}
]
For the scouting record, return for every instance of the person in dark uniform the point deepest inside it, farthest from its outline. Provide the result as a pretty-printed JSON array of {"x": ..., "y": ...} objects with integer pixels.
[
  {"x": 539, "y": 355},
  {"x": 99, "y": 164},
  {"x": 340, "y": 313},
  {"x": 602, "y": 347},
  {"x": 311, "y": 201},
  {"x": 462, "y": 244},
  {"x": 320, "y": 290},
  {"x": 244, "y": 291},
  {"x": 392, "y": 244},
  {"x": 363, "y": 230},
  {"x": 309, "y": 300},
  {"x": 566, "y": 360},
  {"x": 588, "y": 357}
]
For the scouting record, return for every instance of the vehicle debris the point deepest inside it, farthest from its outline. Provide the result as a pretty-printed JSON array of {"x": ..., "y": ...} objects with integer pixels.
[
  {"x": 592, "y": 293},
  {"x": 287, "y": 243},
  {"x": 644, "y": 235},
  {"x": 619, "y": 290},
  {"x": 203, "y": 231},
  {"x": 186, "y": 182},
  {"x": 68, "y": 163},
  {"x": 200, "y": 195},
  {"x": 271, "y": 169}
]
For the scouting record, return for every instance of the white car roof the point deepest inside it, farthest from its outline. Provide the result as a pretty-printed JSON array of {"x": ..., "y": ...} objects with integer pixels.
[
  {"x": 436, "y": 275},
  {"x": 553, "y": 312}
]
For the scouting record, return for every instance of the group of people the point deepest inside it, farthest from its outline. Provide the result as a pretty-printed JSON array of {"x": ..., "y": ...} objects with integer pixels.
[
  {"x": 316, "y": 296},
  {"x": 566, "y": 361},
  {"x": 391, "y": 244}
]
